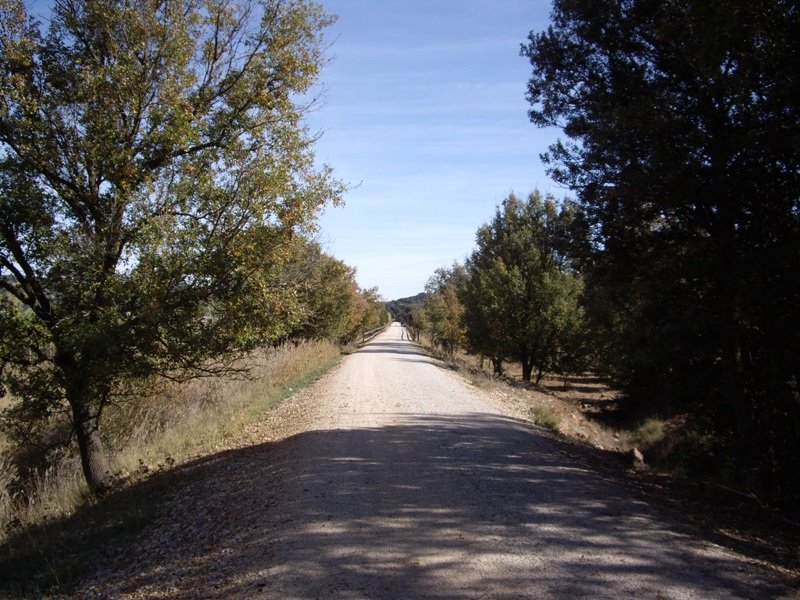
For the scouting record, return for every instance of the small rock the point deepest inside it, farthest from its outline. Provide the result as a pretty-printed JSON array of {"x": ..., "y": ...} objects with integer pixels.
[{"x": 638, "y": 459}]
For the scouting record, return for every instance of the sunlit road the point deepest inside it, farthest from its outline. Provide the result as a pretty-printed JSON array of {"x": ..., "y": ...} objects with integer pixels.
[
  {"x": 409, "y": 484},
  {"x": 417, "y": 488}
]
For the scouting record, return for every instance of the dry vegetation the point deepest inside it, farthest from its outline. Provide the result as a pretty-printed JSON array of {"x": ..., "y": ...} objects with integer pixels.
[
  {"x": 575, "y": 406},
  {"x": 180, "y": 422},
  {"x": 585, "y": 409},
  {"x": 581, "y": 407}
]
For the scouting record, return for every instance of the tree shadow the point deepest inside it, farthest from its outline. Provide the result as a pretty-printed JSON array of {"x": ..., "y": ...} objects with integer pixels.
[
  {"x": 390, "y": 347},
  {"x": 405, "y": 351},
  {"x": 433, "y": 506},
  {"x": 560, "y": 387}
]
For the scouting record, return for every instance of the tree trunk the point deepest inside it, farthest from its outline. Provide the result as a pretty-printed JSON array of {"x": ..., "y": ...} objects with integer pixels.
[
  {"x": 85, "y": 422},
  {"x": 527, "y": 370},
  {"x": 93, "y": 456},
  {"x": 497, "y": 366},
  {"x": 743, "y": 411},
  {"x": 732, "y": 262}
]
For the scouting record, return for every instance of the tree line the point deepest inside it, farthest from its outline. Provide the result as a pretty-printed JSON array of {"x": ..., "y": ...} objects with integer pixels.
[
  {"x": 518, "y": 297},
  {"x": 158, "y": 195},
  {"x": 675, "y": 270}
]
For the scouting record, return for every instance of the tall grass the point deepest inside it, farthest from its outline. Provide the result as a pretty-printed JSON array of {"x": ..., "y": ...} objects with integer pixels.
[
  {"x": 204, "y": 415},
  {"x": 178, "y": 423},
  {"x": 545, "y": 416}
]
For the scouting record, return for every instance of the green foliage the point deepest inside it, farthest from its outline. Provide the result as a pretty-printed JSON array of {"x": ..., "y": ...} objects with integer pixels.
[
  {"x": 521, "y": 296},
  {"x": 684, "y": 125},
  {"x": 649, "y": 433},
  {"x": 326, "y": 293},
  {"x": 545, "y": 416},
  {"x": 153, "y": 166},
  {"x": 368, "y": 312},
  {"x": 402, "y": 309},
  {"x": 442, "y": 310}
]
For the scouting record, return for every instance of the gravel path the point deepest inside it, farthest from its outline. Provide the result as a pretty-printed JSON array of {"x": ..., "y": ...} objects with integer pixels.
[{"x": 394, "y": 478}]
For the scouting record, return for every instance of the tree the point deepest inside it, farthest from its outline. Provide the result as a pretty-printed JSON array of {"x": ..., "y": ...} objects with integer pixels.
[
  {"x": 483, "y": 316},
  {"x": 521, "y": 297},
  {"x": 684, "y": 149},
  {"x": 326, "y": 292},
  {"x": 153, "y": 166},
  {"x": 442, "y": 307},
  {"x": 402, "y": 309},
  {"x": 368, "y": 313}
]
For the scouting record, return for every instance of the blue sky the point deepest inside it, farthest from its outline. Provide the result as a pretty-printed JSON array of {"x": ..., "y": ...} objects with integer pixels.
[{"x": 424, "y": 114}]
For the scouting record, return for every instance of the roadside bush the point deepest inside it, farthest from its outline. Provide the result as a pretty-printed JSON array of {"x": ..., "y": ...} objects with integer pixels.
[
  {"x": 648, "y": 434},
  {"x": 545, "y": 416}
]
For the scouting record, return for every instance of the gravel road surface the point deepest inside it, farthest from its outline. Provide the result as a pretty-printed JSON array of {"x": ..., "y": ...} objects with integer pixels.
[{"x": 398, "y": 479}]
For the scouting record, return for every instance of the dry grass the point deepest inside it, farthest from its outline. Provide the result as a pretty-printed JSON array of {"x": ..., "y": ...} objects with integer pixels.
[
  {"x": 8, "y": 477},
  {"x": 649, "y": 433},
  {"x": 180, "y": 422},
  {"x": 204, "y": 415},
  {"x": 573, "y": 406},
  {"x": 545, "y": 416}
]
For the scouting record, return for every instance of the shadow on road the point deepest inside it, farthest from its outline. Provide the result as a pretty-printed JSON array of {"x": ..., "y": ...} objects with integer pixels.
[
  {"x": 434, "y": 507},
  {"x": 390, "y": 347}
]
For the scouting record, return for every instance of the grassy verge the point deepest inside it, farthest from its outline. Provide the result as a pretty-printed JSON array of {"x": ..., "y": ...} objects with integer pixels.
[
  {"x": 53, "y": 536},
  {"x": 564, "y": 407},
  {"x": 545, "y": 416},
  {"x": 204, "y": 416}
]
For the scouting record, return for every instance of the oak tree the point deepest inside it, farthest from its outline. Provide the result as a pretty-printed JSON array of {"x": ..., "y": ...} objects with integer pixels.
[
  {"x": 443, "y": 309},
  {"x": 521, "y": 296},
  {"x": 153, "y": 166}
]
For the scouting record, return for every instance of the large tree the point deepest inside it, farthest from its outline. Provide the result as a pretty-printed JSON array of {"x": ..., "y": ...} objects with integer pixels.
[
  {"x": 153, "y": 167},
  {"x": 442, "y": 307},
  {"x": 368, "y": 312},
  {"x": 521, "y": 295},
  {"x": 326, "y": 291},
  {"x": 683, "y": 127}
]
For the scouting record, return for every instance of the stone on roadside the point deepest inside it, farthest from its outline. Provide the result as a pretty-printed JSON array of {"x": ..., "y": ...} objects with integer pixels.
[{"x": 638, "y": 459}]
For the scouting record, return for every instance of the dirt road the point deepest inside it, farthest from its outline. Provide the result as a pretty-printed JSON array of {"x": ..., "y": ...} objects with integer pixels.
[{"x": 406, "y": 482}]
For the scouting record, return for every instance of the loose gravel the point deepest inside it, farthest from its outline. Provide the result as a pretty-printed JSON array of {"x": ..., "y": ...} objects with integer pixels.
[{"x": 393, "y": 477}]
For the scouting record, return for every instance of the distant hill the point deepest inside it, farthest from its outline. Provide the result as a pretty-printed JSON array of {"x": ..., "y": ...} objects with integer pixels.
[{"x": 401, "y": 308}]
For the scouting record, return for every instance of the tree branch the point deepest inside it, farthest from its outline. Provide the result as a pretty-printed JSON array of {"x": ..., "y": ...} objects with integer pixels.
[{"x": 27, "y": 280}]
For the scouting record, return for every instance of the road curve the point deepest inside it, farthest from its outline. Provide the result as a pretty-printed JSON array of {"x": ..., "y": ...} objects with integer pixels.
[{"x": 410, "y": 484}]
